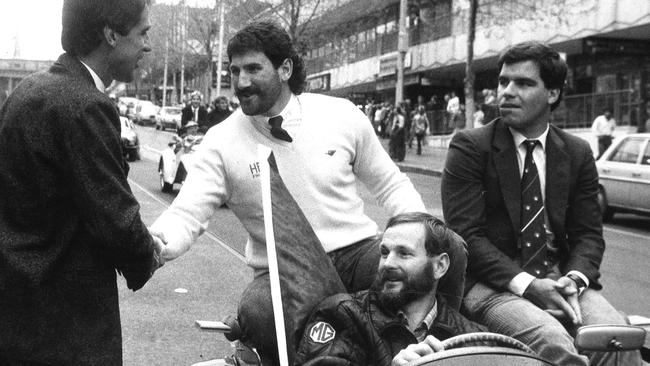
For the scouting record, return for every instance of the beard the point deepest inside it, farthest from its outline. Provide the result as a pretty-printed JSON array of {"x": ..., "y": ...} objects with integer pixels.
[{"x": 413, "y": 287}]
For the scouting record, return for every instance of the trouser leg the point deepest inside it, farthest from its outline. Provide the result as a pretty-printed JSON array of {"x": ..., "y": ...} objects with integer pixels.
[
  {"x": 511, "y": 315},
  {"x": 597, "y": 310}
]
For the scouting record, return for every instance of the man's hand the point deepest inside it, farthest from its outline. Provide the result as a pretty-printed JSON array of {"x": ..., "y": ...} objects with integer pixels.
[
  {"x": 568, "y": 288},
  {"x": 547, "y": 294},
  {"x": 159, "y": 247},
  {"x": 414, "y": 351}
]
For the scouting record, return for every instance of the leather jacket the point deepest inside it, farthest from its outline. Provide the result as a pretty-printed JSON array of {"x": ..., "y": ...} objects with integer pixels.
[{"x": 352, "y": 329}]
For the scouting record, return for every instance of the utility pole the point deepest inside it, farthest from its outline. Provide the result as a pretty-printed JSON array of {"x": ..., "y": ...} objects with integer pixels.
[
  {"x": 220, "y": 50},
  {"x": 402, "y": 47},
  {"x": 164, "y": 91},
  {"x": 183, "y": 40}
]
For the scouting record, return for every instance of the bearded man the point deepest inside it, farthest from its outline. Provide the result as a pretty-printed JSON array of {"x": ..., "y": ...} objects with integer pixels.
[{"x": 401, "y": 317}]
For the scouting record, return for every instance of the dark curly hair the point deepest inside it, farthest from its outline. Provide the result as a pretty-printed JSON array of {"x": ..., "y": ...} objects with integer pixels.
[
  {"x": 272, "y": 40},
  {"x": 552, "y": 68},
  {"x": 438, "y": 237},
  {"x": 84, "y": 21}
]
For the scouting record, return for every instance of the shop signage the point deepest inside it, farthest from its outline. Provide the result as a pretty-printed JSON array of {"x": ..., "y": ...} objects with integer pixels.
[
  {"x": 388, "y": 63},
  {"x": 318, "y": 83},
  {"x": 628, "y": 47}
]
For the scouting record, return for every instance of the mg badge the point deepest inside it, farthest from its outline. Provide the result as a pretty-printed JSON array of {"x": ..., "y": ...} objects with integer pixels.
[{"x": 322, "y": 332}]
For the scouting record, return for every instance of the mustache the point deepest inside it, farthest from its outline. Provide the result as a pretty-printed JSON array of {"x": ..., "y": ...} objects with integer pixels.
[
  {"x": 391, "y": 275},
  {"x": 247, "y": 91}
]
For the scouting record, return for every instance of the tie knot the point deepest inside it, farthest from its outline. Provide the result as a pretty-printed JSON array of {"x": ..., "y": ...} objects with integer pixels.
[
  {"x": 275, "y": 121},
  {"x": 530, "y": 145}
]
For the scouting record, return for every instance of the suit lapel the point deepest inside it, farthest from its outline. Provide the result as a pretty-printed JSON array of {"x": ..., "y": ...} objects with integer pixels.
[
  {"x": 505, "y": 160},
  {"x": 557, "y": 178}
]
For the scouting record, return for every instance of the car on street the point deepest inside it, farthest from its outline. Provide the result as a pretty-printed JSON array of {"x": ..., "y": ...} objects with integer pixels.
[
  {"x": 624, "y": 176},
  {"x": 173, "y": 160},
  {"x": 145, "y": 112},
  {"x": 130, "y": 140},
  {"x": 168, "y": 117}
]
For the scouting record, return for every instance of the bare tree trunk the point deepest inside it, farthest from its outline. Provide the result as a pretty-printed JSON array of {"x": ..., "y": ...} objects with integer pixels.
[{"x": 469, "y": 67}]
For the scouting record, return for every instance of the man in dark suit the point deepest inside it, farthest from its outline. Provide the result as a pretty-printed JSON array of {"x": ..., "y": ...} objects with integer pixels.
[
  {"x": 68, "y": 218},
  {"x": 194, "y": 112},
  {"x": 523, "y": 195}
]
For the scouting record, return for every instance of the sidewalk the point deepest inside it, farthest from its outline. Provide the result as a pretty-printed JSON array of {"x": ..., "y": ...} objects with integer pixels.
[{"x": 431, "y": 162}]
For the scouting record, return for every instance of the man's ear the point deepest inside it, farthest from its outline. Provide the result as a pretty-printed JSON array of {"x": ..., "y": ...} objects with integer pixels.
[
  {"x": 440, "y": 265},
  {"x": 110, "y": 36},
  {"x": 286, "y": 69},
  {"x": 553, "y": 95}
]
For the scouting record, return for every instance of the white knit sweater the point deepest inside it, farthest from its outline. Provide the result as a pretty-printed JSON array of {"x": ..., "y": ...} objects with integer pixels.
[{"x": 333, "y": 146}]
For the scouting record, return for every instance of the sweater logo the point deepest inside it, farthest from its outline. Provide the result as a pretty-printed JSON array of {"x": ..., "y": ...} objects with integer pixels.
[
  {"x": 330, "y": 152},
  {"x": 255, "y": 169},
  {"x": 322, "y": 332}
]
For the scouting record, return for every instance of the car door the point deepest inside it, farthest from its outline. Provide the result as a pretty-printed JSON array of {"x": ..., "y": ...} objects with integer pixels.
[
  {"x": 640, "y": 181},
  {"x": 617, "y": 169}
]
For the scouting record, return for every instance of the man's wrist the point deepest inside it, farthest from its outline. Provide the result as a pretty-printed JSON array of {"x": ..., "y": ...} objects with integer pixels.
[{"x": 580, "y": 283}]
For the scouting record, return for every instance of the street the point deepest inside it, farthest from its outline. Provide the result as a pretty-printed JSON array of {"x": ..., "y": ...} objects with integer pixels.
[{"x": 158, "y": 321}]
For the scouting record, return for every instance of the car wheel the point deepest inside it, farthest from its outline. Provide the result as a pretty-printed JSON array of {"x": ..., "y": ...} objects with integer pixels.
[
  {"x": 607, "y": 212},
  {"x": 164, "y": 186}
]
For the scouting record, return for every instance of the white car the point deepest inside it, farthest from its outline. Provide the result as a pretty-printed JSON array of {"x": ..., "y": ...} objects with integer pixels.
[
  {"x": 145, "y": 112},
  {"x": 173, "y": 160},
  {"x": 168, "y": 117},
  {"x": 624, "y": 176},
  {"x": 130, "y": 141}
]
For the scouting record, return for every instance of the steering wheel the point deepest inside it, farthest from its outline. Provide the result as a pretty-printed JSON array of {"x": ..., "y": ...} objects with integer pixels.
[{"x": 500, "y": 339}]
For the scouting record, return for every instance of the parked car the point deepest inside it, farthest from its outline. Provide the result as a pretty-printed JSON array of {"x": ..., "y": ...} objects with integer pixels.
[
  {"x": 171, "y": 166},
  {"x": 624, "y": 175},
  {"x": 145, "y": 112},
  {"x": 130, "y": 140},
  {"x": 168, "y": 117}
]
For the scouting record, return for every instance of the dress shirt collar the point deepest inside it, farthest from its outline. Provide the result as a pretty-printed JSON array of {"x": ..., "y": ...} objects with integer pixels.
[
  {"x": 99, "y": 84},
  {"x": 422, "y": 330},
  {"x": 291, "y": 117},
  {"x": 519, "y": 138}
]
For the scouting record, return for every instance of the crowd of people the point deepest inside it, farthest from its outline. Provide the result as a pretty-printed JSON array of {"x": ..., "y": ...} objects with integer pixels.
[{"x": 519, "y": 253}]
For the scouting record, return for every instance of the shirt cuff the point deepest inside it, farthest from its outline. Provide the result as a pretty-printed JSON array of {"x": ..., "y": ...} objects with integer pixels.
[
  {"x": 582, "y": 277},
  {"x": 520, "y": 283}
]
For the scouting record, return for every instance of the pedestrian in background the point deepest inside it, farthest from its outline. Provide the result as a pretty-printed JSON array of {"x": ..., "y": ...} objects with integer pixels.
[
  {"x": 217, "y": 114},
  {"x": 397, "y": 143},
  {"x": 603, "y": 127},
  {"x": 68, "y": 218},
  {"x": 194, "y": 111},
  {"x": 420, "y": 126}
]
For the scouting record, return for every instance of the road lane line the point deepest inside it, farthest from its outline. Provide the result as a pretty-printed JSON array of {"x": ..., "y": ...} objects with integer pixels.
[{"x": 209, "y": 234}]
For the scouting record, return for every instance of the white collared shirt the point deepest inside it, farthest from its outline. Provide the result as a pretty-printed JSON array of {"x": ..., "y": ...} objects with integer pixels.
[
  {"x": 99, "y": 84},
  {"x": 291, "y": 117},
  {"x": 521, "y": 281}
]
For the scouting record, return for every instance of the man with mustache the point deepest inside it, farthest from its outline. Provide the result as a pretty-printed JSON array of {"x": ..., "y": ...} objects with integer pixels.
[
  {"x": 68, "y": 219},
  {"x": 401, "y": 317},
  {"x": 323, "y": 146},
  {"x": 523, "y": 194}
]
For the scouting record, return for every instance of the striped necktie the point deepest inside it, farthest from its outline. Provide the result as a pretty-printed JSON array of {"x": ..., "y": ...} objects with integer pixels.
[{"x": 533, "y": 229}]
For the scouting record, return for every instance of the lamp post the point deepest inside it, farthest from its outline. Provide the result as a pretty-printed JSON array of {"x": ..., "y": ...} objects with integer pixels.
[{"x": 402, "y": 47}]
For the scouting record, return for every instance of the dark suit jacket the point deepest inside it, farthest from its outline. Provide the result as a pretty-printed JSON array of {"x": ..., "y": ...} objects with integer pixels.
[
  {"x": 68, "y": 221},
  {"x": 481, "y": 201},
  {"x": 187, "y": 115}
]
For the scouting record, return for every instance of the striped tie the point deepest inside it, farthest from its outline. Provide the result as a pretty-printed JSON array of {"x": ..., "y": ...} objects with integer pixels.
[{"x": 533, "y": 232}]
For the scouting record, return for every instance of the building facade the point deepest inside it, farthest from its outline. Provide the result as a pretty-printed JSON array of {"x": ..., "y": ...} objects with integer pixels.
[{"x": 606, "y": 43}]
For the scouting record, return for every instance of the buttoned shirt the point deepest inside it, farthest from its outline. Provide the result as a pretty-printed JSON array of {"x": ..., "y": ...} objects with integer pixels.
[
  {"x": 422, "y": 330},
  {"x": 521, "y": 281}
]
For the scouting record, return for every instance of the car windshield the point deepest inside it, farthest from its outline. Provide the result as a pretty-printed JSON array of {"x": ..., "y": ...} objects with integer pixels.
[{"x": 173, "y": 110}]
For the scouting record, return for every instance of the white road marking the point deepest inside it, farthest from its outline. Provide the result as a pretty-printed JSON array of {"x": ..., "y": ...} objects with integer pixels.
[{"x": 207, "y": 233}]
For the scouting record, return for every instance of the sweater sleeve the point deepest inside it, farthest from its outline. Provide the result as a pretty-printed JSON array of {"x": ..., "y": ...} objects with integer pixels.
[
  {"x": 203, "y": 191},
  {"x": 391, "y": 188}
]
